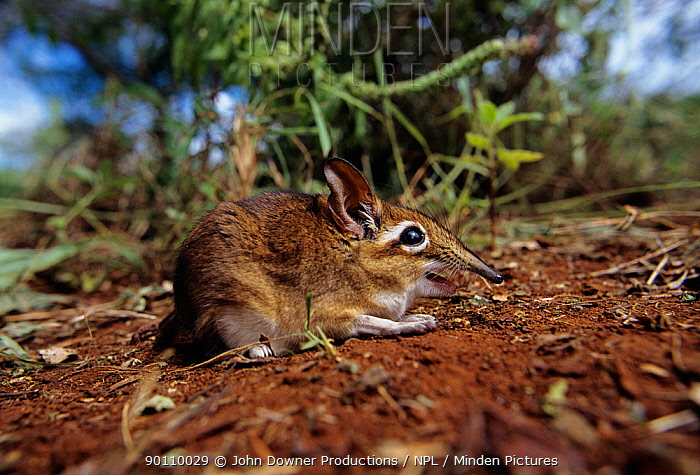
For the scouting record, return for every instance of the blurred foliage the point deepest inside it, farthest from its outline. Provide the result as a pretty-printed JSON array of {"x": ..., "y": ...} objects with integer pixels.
[
  {"x": 605, "y": 141},
  {"x": 219, "y": 99},
  {"x": 11, "y": 182},
  {"x": 488, "y": 120}
]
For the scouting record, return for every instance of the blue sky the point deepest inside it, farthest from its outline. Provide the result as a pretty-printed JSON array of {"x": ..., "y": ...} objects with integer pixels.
[
  {"x": 22, "y": 109},
  {"x": 27, "y": 105},
  {"x": 674, "y": 40},
  {"x": 656, "y": 49}
]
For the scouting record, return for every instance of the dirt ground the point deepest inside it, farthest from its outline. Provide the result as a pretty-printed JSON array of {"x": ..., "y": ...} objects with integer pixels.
[{"x": 573, "y": 365}]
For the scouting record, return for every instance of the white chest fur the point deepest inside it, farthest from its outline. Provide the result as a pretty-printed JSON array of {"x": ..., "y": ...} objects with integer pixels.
[{"x": 393, "y": 304}]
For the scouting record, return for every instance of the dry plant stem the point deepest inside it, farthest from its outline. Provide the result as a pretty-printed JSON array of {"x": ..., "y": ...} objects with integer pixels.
[
  {"x": 652, "y": 216},
  {"x": 277, "y": 177},
  {"x": 629, "y": 218},
  {"x": 676, "y": 355},
  {"x": 367, "y": 170},
  {"x": 691, "y": 249},
  {"x": 391, "y": 402},
  {"x": 243, "y": 153},
  {"x": 420, "y": 173},
  {"x": 672, "y": 421},
  {"x": 676, "y": 284},
  {"x": 396, "y": 151},
  {"x": 170, "y": 434},
  {"x": 569, "y": 203},
  {"x": 126, "y": 431},
  {"x": 657, "y": 270},
  {"x": 617, "y": 268},
  {"x": 234, "y": 351},
  {"x": 42, "y": 315},
  {"x": 70, "y": 313},
  {"x": 492, "y": 200},
  {"x": 307, "y": 159},
  {"x": 122, "y": 314}
]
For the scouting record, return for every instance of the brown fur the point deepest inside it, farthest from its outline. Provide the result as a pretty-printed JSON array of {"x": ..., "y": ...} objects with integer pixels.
[{"x": 257, "y": 259}]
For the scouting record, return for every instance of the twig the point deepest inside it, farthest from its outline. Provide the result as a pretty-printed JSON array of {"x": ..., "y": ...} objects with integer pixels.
[
  {"x": 234, "y": 351},
  {"x": 29, "y": 316},
  {"x": 691, "y": 248},
  {"x": 632, "y": 213},
  {"x": 569, "y": 203},
  {"x": 672, "y": 421},
  {"x": 391, "y": 401},
  {"x": 623, "y": 223},
  {"x": 122, "y": 314},
  {"x": 676, "y": 284},
  {"x": 676, "y": 355},
  {"x": 659, "y": 267},
  {"x": 617, "y": 268},
  {"x": 19, "y": 393},
  {"x": 69, "y": 313},
  {"x": 126, "y": 432}
]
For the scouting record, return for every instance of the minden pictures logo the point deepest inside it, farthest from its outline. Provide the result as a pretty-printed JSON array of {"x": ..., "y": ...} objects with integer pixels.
[{"x": 306, "y": 42}]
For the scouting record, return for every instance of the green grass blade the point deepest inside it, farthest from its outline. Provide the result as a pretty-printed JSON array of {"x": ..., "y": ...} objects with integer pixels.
[
  {"x": 352, "y": 100},
  {"x": 323, "y": 135},
  {"x": 412, "y": 129}
]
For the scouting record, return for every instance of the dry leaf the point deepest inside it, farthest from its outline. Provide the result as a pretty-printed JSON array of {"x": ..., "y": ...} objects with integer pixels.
[
  {"x": 157, "y": 403},
  {"x": 56, "y": 355},
  {"x": 502, "y": 297}
]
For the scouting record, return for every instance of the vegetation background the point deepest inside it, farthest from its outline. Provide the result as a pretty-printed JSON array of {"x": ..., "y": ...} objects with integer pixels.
[{"x": 186, "y": 103}]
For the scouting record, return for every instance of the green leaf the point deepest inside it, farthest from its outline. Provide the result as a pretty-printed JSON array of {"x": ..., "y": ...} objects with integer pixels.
[
  {"x": 22, "y": 329},
  {"x": 323, "y": 135},
  {"x": 468, "y": 162},
  {"x": 487, "y": 114},
  {"x": 22, "y": 299},
  {"x": 503, "y": 112},
  {"x": 463, "y": 87},
  {"x": 522, "y": 117},
  {"x": 508, "y": 159},
  {"x": 11, "y": 347},
  {"x": 478, "y": 98},
  {"x": 513, "y": 158},
  {"x": 16, "y": 264},
  {"x": 555, "y": 397},
  {"x": 478, "y": 141},
  {"x": 126, "y": 250},
  {"x": 15, "y": 352},
  {"x": 309, "y": 344}
]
